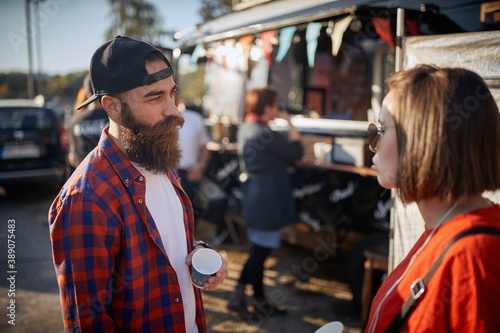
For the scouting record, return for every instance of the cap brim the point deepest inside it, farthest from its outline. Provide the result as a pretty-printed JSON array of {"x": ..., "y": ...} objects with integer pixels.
[{"x": 88, "y": 101}]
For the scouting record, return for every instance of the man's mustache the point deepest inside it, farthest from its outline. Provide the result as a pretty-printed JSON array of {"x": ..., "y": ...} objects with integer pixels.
[{"x": 167, "y": 124}]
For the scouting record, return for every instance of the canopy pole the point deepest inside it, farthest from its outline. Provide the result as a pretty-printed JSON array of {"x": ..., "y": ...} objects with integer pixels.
[{"x": 400, "y": 33}]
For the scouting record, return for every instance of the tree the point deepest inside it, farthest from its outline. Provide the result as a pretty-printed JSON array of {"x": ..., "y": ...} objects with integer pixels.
[
  {"x": 13, "y": 85},
  {"x": 136, "y": 19},
  {"x": 211, "y": 9},
  {"x": 64, "y": 86}
]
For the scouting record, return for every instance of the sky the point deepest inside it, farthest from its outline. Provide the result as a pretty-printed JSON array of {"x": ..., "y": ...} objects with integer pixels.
[{"x": 71, "y": 30}]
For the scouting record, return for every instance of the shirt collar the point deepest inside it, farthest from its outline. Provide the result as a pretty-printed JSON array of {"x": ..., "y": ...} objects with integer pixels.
[{"x": 119, "y": 162}]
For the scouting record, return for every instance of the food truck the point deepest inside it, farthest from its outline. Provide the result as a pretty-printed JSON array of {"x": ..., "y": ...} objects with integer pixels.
[{"x": 329, "y": 61}]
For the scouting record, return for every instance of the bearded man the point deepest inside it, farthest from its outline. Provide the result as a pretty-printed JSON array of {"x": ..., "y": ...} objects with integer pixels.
[{"x": 122, "y": 227}]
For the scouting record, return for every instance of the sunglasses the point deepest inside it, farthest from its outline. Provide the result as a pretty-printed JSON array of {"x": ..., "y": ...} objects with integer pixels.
[{"x": 374, "y": 135}]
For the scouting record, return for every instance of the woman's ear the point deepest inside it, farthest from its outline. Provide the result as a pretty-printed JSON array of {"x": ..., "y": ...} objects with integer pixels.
[{"x": 113, "y": 107}]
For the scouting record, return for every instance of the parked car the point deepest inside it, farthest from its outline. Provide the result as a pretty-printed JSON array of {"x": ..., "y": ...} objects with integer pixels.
[{"x": 33, "y": 142}]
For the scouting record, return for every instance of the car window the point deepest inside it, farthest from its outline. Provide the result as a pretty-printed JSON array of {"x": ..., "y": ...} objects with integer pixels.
[{"x": 25, "y": 118}]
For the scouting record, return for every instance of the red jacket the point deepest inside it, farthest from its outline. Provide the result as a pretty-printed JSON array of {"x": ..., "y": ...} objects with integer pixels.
[{"x": 464, "y": 292}]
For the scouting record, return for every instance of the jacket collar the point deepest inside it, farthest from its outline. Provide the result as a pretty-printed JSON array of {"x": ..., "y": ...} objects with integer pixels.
[{"x": 255, "y": 118}]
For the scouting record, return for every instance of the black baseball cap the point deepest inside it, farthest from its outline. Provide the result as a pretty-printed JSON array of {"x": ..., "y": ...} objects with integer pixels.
[{"x": 119, "y": 65}]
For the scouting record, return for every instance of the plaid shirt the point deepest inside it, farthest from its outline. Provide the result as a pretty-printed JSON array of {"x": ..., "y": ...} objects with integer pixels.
[{"x": 112, "y": 269}]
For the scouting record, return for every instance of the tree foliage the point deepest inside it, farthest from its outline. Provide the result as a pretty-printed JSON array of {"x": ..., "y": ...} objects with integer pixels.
[
  {"x": 14, "y": 85},
  {"x": 211, "y": 9},
  {"x": 64, "y": 86},
  {"x": 134, "y": 18}
]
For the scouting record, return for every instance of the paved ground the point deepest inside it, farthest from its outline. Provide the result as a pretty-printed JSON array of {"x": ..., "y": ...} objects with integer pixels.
[
  {"x": 311, "y": 285},
  {"x": 36, "y": 297}
]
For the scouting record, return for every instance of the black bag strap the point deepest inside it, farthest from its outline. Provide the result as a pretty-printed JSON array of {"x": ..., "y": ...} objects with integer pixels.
[{"x": 418, "y": 287}]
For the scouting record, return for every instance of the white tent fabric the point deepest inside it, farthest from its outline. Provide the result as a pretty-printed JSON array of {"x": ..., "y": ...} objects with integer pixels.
[{"x": 478, "y": 52}]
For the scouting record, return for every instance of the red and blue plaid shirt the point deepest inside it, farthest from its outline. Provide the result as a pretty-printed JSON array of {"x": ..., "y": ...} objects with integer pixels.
[{"x": 112, "y": 269}]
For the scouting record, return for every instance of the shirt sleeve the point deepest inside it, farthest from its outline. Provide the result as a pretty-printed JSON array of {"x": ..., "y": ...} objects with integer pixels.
[
  {"x": 85, "y": 243},
  {"x": 203, "y": 135}
]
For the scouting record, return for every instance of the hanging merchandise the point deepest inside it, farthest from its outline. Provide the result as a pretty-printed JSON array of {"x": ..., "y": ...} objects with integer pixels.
[
  {"x": 243, "y": 51},
  {"x": 312, "y": 33},
  {"x": 338, "y": 33},
  {"x": 259, "y": 71},
  {"x": 285, "y": 42},
  {"x": 256, "y": 51}
]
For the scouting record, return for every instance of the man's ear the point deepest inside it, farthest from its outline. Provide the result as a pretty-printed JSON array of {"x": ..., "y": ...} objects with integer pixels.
[{"x": 113, "y": 107}]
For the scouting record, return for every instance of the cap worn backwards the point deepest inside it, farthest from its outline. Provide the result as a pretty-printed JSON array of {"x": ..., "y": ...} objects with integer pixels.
[{"x": 119, "y": 65}]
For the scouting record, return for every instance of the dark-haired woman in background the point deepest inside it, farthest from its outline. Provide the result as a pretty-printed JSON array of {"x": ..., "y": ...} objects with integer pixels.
[{"x": 268, "y": 204}]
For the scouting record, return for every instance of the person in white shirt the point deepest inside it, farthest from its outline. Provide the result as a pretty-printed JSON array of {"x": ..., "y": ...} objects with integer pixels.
[{"x": 193, "y": 138}]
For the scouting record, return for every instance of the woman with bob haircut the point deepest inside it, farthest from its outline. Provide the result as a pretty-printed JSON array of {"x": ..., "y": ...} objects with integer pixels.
[
  {"x": 268, "y": 204},
  {"x": 439, "y": 146}
]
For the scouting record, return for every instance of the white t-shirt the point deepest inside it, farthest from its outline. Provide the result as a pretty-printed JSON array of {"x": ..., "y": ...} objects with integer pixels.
[
  {"x": 191, "y": 136},
  {"x": 166, "y": 208}
]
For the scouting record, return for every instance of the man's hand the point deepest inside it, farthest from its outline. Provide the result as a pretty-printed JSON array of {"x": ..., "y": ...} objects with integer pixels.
[{"x": 219, "y": 277}]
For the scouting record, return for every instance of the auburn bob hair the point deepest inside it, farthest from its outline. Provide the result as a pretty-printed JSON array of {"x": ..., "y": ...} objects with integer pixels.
[
  {"x": 448, "y": 132},
  {"x": 257, "y": 99}
]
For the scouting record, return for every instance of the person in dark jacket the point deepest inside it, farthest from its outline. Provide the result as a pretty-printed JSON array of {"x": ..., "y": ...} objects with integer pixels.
[
  {"x": 86, "y": 126},
  {"x": 268, "y": 205}
]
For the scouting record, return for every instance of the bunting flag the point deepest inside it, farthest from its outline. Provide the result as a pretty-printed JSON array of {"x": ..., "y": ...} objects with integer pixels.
[
  {"x": 196, "y": 54},
  {"x": 312, "y": 33},
  {"x": 245, "y": 42},
  {"x": 285, "y": 42},
  {"x": 412, "y": 27},
  {"x": 383, "y": 29},
  {"x": 267, "y": 46},
  {"x": 338, "y": 33}
]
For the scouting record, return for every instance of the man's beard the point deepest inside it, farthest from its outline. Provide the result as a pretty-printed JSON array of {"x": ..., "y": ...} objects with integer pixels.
[{"x": 155, "y": 148}]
